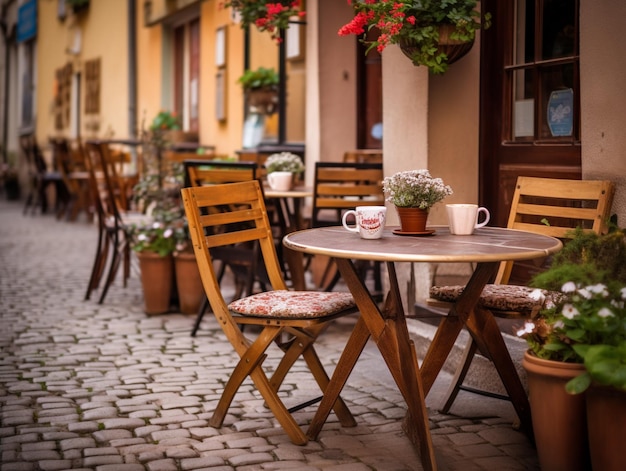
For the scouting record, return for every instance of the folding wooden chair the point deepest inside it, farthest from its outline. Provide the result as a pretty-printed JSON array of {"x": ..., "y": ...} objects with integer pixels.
[
  {"x": 241, "y": 260},
  {"x": 113, "y": 221},
  {"x": 546, "y": 206},
  {"x": 338, "y": 187},
  {"x": 228, "y": 214}
]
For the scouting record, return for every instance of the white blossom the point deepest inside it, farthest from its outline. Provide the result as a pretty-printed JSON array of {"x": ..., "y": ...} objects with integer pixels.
[
  {"x": 537, "y": 295},
  {"x": 605, "y": 312},
  {"x": 569, "y": 287},
  {"x": 570, "y": 311}
]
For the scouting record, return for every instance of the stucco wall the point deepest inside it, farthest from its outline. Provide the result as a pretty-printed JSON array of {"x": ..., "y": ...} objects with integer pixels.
[
  {"x": 103, "y": 34},
  {"x": 603, "y": 101}
]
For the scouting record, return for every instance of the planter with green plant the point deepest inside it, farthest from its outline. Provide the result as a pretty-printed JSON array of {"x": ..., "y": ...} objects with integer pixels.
[
  {"x": 432, "y": 33},
  {"x": 260, "y": 87},
  {"x": 584, "y": 331}
]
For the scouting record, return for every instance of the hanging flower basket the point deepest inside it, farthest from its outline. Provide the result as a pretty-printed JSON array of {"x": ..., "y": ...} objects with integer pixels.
[
  {"x": 264, "y": 99},
  {"x": 454, "y": 49}
]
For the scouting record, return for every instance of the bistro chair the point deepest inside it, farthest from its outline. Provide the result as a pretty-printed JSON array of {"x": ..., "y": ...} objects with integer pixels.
[
  {"x": 339, "y": 187},
  {"x": 363, "y": 156},
  {"x": 71, "y": 164},
  {"x": 553, "y": 207},
  {"x": 242, "y": 259},
  {"x": 113, "y": 221},
  {"x": 40, "y": 177},
  {"x": 235, "y": 213}
]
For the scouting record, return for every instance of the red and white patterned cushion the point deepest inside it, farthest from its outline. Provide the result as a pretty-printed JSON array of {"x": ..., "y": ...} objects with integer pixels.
[
  {"x": 293, "y": 304},
  {"x": 502, "y": 297}
]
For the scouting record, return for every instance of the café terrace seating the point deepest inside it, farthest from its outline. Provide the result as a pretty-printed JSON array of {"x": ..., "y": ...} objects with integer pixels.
[
  {"x": 553, "y": 207},
  {"x": 234, "y": 213}
]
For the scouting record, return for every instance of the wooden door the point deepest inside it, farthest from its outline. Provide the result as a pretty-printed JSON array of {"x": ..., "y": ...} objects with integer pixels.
[
  {"x": 369, "y": 99},
  {"x": 530, "y": 97}
]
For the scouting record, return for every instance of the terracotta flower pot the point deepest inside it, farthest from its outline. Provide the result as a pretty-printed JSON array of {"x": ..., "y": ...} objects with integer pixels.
[
  {"x": 157, "y": 278},
  {"x": 606, "y": 423},
  {"x": 559, "y": 418},
  {"x": 412, "y": 219},
  {"x": 188, "y": 283}
]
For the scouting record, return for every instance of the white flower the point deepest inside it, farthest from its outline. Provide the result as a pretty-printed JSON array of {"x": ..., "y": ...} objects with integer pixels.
[
  {"x": 284, "y": 162},
  {"x": 415, "y": 189},
  {"x": 558, "y": 325},
  {"x": 537, "y": 295},
  {"x": 598, "y": 289},
  {"x": 605, "y": 312},
  {"x": 570, "y": 311},
  {"x": 568, "y": 287},
  {"x": 168, "y": 233},
  {"x": 142, "y": 237},
  {"x": 623, "y": 292},
  {"x": 585, "y": 293}
]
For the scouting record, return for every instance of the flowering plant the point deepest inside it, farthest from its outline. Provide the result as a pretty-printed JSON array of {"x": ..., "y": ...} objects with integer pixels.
[
  {"x": 587, "y": 322},
  {"x": 284, "y": 162},
  {"x": 416, "y": 22},
  {"x": 165, "y": 120},
  {"x": 415, "y": 189},
  {"x": 159, "y": 236},
  {"x": 271, "y": 16}
]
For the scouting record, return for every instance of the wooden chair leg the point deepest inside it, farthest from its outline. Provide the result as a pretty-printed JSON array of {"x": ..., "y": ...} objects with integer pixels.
[
  {"x": 459, "y": 375},
  {"x": 252, "y": 358}
]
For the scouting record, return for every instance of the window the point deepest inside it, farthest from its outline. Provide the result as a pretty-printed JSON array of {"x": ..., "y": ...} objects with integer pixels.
[
  {"x": 542, "y": 73},
  {"x": 62, "y": 97},
  {"x": 92, "y": 86}
]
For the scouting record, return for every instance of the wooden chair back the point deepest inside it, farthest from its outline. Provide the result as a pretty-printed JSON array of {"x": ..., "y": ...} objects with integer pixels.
[
  {"x": 555, "y": 207},
  {"x": 212, "y": 227},
  {"x": 213, "y": 172},
  {"x": 364, "y": 156},
  {"x": 340, "y": 186}
]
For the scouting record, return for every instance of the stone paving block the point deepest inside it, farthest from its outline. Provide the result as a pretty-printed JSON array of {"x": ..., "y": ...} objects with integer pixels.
[
  {"x": 200, "y": 463},
  {"x": 162, "y": 465},
  {"x": 102, "y": 460},
  {"x": 55, "y": 465},
  {"x": 250, "y": 459},
  {"x": 81, "y": 442}
]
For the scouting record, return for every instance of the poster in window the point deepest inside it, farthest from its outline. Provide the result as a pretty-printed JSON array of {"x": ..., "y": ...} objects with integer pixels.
[
  {"x": 220, "y": 47},
  {"x": 561, "y": 112}
]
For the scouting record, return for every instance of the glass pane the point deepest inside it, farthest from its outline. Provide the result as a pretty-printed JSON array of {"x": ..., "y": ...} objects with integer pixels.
[
  {"x": 523, "y": 105},
  {"x": 525, "y": 31},
  {"x": 557, "y": 101},
  {"x": 558, "y": 28}
]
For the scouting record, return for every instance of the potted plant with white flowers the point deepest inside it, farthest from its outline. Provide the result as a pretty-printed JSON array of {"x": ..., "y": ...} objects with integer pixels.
[
  {"x": 576, "y": 362},
  {"x": 283, "y": 169},
  {"x": 414, "y": 192}
]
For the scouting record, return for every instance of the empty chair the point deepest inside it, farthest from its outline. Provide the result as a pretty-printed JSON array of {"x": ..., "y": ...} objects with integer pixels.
[
  {"x": 113, "y": 221},
  {"x": 242, "y": 259},
  {"x": 546, "y": 206},
  {"x": 223, "y": 215},
  {"x": 338, "y": 187}
]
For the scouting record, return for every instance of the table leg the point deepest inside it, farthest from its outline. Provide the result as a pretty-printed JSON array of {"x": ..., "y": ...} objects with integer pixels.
[
  {"x": 451, "y": 325},
  {"x": 389, "y": 331}
]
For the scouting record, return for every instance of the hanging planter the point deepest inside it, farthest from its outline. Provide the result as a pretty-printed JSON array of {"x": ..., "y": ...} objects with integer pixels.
[
  {"x": 431, "y": 33},
  {"x": 452, "y": 49}
]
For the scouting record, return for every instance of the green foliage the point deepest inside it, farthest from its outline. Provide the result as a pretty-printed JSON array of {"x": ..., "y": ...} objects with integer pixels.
[
  {"x": 416, "y": 23},
  {"x": 588, "y": 323},
  {"x": 259, "y": 78},
  {"x": 165, "y": 120},
  {"x": 270, "y": 15}
]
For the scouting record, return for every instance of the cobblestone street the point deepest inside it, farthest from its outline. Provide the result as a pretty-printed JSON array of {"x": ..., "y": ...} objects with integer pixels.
[{"x": 108, "y": 388}]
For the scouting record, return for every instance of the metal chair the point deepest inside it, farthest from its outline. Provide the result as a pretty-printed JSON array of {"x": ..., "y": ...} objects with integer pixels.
[
  {"x": 547, "y": 206},
  {"x": 235, "y": 213}
]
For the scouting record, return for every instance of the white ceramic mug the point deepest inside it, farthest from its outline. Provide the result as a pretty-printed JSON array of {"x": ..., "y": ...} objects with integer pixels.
[
  {"x": 280, "y": 181},
  {"x": 370, "y": 221},
  {"x": 463, "y": 218}
]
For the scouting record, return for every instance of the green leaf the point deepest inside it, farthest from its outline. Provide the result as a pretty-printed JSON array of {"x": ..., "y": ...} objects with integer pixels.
[{"x": 578, "y": 384}]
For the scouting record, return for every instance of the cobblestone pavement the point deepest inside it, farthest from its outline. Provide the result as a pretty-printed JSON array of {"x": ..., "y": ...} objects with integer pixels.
[{"x": 107, "y": 388}]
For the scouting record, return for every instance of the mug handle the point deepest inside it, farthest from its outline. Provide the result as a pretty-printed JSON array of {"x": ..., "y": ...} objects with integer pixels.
[
  {"x": 487, "y": 217},
  {"x": 344, "y": 221}
]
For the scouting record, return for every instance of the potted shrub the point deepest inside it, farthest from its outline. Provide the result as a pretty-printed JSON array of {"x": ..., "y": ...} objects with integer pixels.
[
  {"x": 272, "y": 16},
  {"x": 432, "y": 33},
  {"x": 581, "y": 336},
  {"x": 414, "y": 192},
  {"x": 260, "y": 87}
]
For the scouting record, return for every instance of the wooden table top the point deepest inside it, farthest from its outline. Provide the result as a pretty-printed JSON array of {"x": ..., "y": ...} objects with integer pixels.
[
  {"x": 297, "y": 192},
  {"x": 488, "y": 244}
]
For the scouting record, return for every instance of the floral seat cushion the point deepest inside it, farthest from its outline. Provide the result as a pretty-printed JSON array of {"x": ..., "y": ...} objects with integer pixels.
[
  {"x": 293, "y": 304},
  {"x": 512, "y": 298}
]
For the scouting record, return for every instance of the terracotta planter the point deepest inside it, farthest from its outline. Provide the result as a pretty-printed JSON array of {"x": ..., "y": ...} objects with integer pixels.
[
  {"x": 188, "y": 283},
  {"x": 559, "y": 418},
  {"x": 412, "y": 220},
  {"x": 606, "y": 423},
  {"x": 157, "y": 279}
]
